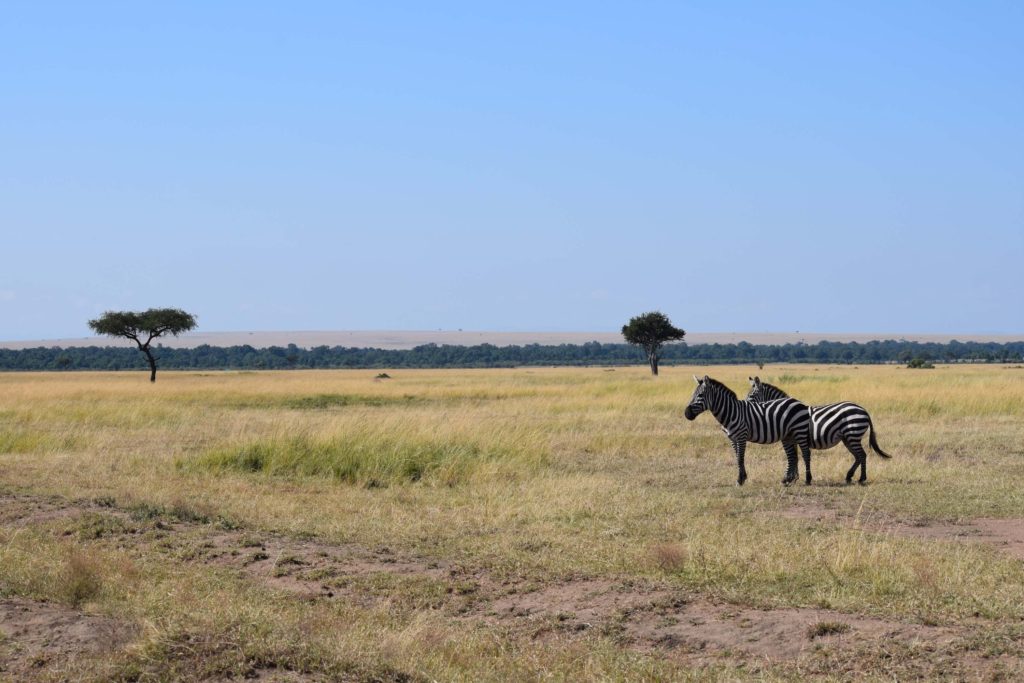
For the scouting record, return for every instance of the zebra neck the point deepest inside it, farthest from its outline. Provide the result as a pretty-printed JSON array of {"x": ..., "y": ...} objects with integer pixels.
[{"x": 724, "y": 408}]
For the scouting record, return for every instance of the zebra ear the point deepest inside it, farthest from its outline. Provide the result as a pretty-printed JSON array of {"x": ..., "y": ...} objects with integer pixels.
[
  {"x": 757, "y": 381},
  {"x": 751, "y": 380},
  {"x": 705, "y": 378},
  {"x": 695, "y": 379}
]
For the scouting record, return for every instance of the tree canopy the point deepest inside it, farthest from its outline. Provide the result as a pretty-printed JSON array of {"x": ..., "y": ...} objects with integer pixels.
[
  {"x": 650, "y": 331},
  {"x": 143, "y": 327}
]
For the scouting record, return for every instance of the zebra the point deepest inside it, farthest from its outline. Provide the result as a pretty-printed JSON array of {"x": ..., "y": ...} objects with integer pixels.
[
  {"x": 786, "y": 420},
  {"x": 830, "y": 424}
]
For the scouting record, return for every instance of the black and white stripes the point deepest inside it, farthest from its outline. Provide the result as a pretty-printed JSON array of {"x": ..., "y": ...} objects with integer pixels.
[
  {"x": 831, "y": 424},
  {"x": 786, "y": 420}
]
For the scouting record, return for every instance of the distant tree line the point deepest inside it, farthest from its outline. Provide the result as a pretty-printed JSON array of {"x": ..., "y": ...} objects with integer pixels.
[{"x": 490, "y": 356}]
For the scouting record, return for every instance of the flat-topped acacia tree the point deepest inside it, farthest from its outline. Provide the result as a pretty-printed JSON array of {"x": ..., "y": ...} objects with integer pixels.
[
  {"x": 650, "y": 331},
  {"x": 144, "y": 327}
]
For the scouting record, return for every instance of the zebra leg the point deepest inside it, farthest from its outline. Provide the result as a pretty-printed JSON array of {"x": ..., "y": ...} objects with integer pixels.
[
  {"x": 860, "y": 457},
  {"x": 807, "y": 463},
  {"x": 740, "y": 447},
  {"x": 791, "y": 463},
  {"x": 852, "y": 470}
]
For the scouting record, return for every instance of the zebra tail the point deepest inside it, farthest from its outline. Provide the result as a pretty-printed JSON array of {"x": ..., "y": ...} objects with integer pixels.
[{"x": 874, "y": 443}]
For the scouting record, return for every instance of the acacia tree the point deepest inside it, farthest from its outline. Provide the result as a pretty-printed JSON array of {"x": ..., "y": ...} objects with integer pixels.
[
  {"x": 650, "y": 331},
  {"x": 144, "y": 327}
]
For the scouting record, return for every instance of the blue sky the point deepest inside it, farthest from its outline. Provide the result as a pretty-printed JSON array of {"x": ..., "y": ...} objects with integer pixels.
[{"x": 833, "y": 167}]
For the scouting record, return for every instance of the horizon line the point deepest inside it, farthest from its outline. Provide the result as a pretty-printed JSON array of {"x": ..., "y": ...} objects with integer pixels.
[{"x": 407, "y": 339}]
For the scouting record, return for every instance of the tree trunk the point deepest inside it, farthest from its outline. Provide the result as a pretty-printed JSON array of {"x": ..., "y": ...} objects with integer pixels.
[
  {"x": 152, "y": 363},
  {"x": 653, "y": 358}
]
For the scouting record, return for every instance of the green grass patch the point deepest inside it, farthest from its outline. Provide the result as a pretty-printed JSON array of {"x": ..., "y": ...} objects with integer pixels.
[
  {"x": 795, "y": 379},
  {"x": 21, "y": 440},
  {"x": 323, "y": 401},
  {"x": 375, "y": 460}
]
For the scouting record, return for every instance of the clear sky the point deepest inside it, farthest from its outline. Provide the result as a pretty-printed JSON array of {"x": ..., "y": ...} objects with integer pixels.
[{"x": 818, "y": 166}]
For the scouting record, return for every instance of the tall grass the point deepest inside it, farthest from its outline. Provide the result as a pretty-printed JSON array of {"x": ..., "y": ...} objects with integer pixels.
[
  {"x": 28, "y": 440},
  {"x": 378, "y": 457}
]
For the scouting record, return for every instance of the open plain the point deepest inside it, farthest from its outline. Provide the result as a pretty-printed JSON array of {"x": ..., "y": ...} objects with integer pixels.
[{"x": 519, "y": 524}]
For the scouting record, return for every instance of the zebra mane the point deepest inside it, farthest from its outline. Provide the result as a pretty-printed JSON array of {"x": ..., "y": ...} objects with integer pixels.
[
  {"x": 716, "y": 383},
  {"x": 772, "y": 387}
]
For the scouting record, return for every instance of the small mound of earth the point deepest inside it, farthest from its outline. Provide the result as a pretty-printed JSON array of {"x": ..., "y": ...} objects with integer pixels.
[{"x": 34, "y": 635}]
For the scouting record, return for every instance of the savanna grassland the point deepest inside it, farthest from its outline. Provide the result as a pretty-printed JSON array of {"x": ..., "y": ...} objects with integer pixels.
[{"x": 525, "y": 524}]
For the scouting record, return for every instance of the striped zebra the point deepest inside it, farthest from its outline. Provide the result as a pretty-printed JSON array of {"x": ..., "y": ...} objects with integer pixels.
[
  {"x": 830, "y": 424},
  {"x": 786, "y": 420}
]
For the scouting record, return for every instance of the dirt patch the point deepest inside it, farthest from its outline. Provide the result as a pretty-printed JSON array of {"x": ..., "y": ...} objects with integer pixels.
[
  {"x": 306, "y": 567},
  {"x": 37, "y": 635},
  {"x": 1005, "y": 534},
  {"x": 311, "y": 568},
  {"x": 1008, "y": 534},
  {"x": 25, "y": 511},
  {"x": 662, "y": 619},
  {"x": 777, "y": 634},
  {"x": 582, "y": 601}
]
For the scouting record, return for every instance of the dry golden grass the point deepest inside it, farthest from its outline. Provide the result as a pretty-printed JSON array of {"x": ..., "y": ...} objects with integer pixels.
[{"x": 538, "y": 475}]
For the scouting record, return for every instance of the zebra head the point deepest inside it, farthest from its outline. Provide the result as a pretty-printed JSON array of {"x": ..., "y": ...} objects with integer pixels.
[
  {"x": 762, "y": 391},
  {"x": 698, "y": 402},
  {"x": 756, "y": 392}
]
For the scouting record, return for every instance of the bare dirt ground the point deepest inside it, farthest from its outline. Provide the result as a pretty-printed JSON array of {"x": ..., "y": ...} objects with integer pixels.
[
  {"x": 1005, "y": 534},
  {"x": 34, "y": 634},
  {"x": 698, "y": 628},
  {"x": 649, "y": 616},
  {"x": 407, "y": 339}
]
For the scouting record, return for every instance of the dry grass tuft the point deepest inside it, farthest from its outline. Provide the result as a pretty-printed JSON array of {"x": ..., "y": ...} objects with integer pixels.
[
  {"x": 669, "y": 557},
  {"x": 823, "y": 629},
  {"x": 82, "y": 578}
]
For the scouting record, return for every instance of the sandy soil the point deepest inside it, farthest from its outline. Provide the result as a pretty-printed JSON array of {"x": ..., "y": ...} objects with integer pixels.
[{"x": 409, "y": 339}]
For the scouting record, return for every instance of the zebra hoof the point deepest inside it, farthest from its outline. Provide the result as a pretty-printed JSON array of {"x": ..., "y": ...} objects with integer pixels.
[{"x": 862, "y": 482}]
